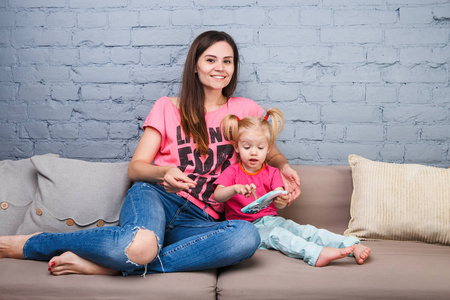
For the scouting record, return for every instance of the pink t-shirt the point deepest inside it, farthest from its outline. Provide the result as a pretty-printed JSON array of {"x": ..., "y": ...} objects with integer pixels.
[
  {"x": 267, "y": 179},
  {"x": 177, "y": 150}
]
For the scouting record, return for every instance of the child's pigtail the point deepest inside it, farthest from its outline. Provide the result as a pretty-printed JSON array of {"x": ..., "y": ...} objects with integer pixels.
[
  {"x": 230, "y": 127},
  {"x": 277, "y": 122}
]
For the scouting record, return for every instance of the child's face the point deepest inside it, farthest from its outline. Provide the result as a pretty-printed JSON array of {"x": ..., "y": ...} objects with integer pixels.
[{"x": 253, "y": 147}]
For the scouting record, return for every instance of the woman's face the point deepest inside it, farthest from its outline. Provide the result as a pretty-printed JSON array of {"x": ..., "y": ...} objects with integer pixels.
[{"x": 215, "y": 67}]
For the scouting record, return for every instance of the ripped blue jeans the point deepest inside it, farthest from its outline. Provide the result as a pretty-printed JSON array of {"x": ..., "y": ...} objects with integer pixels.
[{"x": 189, "y": 239}]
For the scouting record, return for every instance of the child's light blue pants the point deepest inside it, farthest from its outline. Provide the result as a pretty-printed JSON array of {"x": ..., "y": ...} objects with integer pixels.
[{"x": 298, "y": 241}]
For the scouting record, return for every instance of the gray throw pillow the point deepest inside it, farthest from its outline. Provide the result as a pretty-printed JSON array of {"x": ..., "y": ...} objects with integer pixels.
[
  {"x": 18, "y": 183},
  {"x": 74, "y": 194}
]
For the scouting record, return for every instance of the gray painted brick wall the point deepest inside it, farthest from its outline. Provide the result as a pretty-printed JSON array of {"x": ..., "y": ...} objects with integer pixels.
[{"x": 370, "y": 77}]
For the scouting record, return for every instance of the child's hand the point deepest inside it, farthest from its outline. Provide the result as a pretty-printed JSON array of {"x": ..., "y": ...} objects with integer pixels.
[
  {"x": 281, "y": 201},
  {"x": 245, "y": 190}
]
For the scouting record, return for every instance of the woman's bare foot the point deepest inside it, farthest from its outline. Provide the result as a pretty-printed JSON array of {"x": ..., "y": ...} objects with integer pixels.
[
  {"x": 328, "y": 254},
  {"x": 361, "y": 253},
  {"x": 70, "y": 263},
  {"x": 11, "y": 246}
]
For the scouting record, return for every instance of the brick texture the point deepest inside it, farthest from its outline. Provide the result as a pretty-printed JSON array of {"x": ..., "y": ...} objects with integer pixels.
[{"x": 368, "y": 77}]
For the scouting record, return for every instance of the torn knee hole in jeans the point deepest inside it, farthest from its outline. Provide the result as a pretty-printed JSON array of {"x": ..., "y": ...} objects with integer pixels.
[{"x": 135, "y": 231}]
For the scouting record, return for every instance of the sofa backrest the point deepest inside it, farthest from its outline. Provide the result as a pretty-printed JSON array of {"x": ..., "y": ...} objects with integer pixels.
[
  {"x": 324, "y": 201},
  {"x": 325, "y": 198}
]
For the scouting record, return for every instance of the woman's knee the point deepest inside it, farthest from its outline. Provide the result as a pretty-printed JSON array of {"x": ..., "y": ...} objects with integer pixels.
[
  {"x": 143, "y": 248},
  {"x": 247, "y": 236},
  {"x": 143, "y": 209}
]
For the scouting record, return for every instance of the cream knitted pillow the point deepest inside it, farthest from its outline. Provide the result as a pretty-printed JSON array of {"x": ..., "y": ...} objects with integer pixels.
[{"x": 399, "y": 202}]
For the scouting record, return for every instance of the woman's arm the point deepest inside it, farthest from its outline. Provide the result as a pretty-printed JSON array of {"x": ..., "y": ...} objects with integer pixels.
[
  {"x": 142, "y": 169},
  {"x": 290, "y": 177},
  {"x": 276, "y": 159}
]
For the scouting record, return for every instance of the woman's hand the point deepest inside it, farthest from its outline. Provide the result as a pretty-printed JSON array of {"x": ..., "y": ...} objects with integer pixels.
[
  {"x": 291, "y": 182},
  {"x": 176, "y": 181}
]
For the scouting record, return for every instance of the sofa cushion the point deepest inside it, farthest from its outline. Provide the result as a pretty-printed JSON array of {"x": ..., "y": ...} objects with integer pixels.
[
  {"x": 399, "y": 201},
  {"x": 18, "y": 184},
  {"x": 73, "y": 194},
  {"x": 325, "y": 197},
  {"x": 26, "y": 279},
  {"x": 394, "y": 270}
]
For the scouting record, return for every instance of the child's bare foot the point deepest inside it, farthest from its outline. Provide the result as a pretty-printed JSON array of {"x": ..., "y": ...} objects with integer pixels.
[
  {"x": 11, "y": 246},
  {"x": 361, "y": 253},
  {"x": 70, "y": 263},
  {"x": 329, "y": 254}
]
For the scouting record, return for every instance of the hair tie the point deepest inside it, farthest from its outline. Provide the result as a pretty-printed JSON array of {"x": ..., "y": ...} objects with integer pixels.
[
  {"x": 266, "y": 117},
  {"x": 238, "y": 118}
]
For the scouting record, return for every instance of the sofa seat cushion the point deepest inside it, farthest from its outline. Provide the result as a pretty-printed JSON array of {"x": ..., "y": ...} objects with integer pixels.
[
  {"x": 31, "y": 280},
  {"x": 395, "y": 270}
]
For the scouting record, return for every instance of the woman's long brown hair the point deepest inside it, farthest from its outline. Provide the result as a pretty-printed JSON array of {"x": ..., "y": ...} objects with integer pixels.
[{"x": 192, "y": 97}]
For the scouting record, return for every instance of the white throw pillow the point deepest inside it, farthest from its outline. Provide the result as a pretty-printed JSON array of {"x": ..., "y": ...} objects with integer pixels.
[{"x": 399, "y": 201}]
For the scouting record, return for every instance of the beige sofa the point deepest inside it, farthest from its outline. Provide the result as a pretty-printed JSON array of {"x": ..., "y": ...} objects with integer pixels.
[{"x": 395, "y": 269}]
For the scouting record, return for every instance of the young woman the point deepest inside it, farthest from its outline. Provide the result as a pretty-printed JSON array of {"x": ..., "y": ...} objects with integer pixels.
[
  {"x": 241, "y": 183},
  {"x": 169, "y": 220}
]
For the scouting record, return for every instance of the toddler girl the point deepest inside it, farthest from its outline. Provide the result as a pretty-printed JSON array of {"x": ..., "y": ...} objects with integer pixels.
[{"x": 243, "y": 182}]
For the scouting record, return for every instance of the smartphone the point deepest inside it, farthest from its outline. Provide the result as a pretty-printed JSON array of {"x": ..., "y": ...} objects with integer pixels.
[{"x": 262, "y": 202}]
